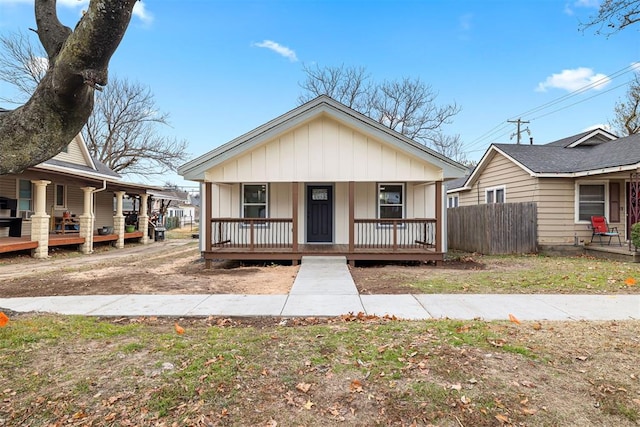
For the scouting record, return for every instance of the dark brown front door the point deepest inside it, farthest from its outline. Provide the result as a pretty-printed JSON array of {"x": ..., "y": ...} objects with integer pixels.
[{"x": 319, "y": 214}]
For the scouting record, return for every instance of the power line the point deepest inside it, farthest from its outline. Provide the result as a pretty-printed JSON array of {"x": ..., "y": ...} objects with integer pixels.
[{"x": 500, "y": 127}]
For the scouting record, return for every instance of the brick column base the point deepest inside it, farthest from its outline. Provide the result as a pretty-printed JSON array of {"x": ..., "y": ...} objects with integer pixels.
[
  {"x": 86, "y": 231},
  {"x": 118, "y": 228},
  {"x": 143, "y": 225}
]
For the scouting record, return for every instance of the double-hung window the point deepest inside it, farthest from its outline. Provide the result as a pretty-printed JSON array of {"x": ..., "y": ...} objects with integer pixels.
[
  {"x": 495, "y": 195},
  {"x": 452, "y": 201},
  {"x": 591, "y": 201},
  {"x": 391, "y": 201},
  {"x": 25, "y": 195},
  {"x": 255, "y": 201}
]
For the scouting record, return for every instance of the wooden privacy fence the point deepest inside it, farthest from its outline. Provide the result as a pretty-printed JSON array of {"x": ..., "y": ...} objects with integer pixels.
[{"x": 491, "y": 229}]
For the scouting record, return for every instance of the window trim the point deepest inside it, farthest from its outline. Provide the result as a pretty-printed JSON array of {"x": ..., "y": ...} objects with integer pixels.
[
  {"x": 455, "y": 198},
  {"x": 494, "y": 190},
  {"x": 576, "y": 200},
  {"x": 243, "y": 203},
  {"x": 64, "y": 196},
  {"x": 31, "y": 201},
  {"x": 403, "y": 204}
]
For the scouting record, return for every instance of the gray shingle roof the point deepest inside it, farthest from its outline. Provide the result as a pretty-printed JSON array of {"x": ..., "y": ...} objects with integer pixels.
[{"x": 555, "y": 158}]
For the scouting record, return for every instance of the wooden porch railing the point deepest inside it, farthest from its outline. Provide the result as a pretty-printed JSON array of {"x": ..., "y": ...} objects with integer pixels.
[
  {"x": 269, "y": 233},
  {"x": 394, "y": 234},
  {"x": 252, "y": 233}
]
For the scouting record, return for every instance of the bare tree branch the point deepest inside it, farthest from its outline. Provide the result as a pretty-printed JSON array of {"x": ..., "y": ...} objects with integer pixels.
[
  {"x": 63, "y": 100},
  {"x": 613, "y": 16},
  {"x": 627, "y": 111}
]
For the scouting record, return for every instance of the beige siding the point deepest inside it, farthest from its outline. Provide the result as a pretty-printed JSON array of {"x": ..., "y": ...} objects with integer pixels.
[
  {"x": 556, "y": 225},
  {"x": 104, "y": 209},
  {"x": 324, "y": 150},
  {"x": 519, "y": 185},
  {"x": 74, "y": 154}
]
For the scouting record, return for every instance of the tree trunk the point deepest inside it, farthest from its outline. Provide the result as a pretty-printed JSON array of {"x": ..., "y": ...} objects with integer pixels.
[{"x": 63, "y": 100}]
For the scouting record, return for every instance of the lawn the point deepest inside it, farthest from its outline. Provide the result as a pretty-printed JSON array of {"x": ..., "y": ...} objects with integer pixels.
[{"x": 352, "y": 370}]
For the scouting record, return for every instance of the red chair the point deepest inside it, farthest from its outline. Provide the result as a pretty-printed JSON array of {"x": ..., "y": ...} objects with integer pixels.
[{"x": 601, "y": 228}]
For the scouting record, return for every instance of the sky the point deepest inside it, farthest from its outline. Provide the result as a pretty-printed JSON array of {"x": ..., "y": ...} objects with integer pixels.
[{"x": 221, "y": 68}]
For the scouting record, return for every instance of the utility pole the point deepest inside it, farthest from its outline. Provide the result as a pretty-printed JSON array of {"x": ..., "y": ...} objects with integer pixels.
[{"x": 519, "y": 132}]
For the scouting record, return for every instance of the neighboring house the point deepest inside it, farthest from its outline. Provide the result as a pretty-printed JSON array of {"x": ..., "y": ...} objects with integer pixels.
[
  {"x": 67, "y": 200},
  {"x": 323, "y": 179},
  {"x": 570, "y": 180}
]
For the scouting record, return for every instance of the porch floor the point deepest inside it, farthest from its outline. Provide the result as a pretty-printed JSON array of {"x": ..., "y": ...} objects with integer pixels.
[
  {"x": 625, "y": 252},
  {"x": 14, "y": 244},
  {"x": 358, "y": 254}
]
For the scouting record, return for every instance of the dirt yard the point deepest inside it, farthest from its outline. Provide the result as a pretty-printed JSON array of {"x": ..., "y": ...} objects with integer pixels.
[{"x": 175, "y": 267}]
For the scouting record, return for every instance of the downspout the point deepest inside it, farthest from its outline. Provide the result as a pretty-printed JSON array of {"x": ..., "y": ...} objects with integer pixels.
[{"x": 104, "y": 187}]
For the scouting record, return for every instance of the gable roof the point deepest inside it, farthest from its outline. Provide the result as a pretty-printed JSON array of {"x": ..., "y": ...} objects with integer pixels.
[
  {"x": 322, "y": 105},
  {"x": 588, "y": 153}
]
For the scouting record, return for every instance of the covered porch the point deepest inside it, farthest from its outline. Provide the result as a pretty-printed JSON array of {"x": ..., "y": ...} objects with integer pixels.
[
  {"x": 290, "y": 237},
  {"x": 17, "y": 244}
]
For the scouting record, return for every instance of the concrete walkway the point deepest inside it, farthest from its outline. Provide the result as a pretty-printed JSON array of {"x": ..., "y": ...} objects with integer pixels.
[{"x": 324, "y": 288}]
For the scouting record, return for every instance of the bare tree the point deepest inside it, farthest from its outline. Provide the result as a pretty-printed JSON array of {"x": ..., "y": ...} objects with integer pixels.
[
  {"x": 407, "y": 106},
  {"x": 614, "y": 15},
  {"x": 627, "y": 111},
  {"x": 63, "y": 100},
  {"x": 22, "y": 64},
  {"x": 123, "y": 133}
]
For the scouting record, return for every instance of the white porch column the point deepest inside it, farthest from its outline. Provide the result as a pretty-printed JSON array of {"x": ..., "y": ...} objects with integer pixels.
[
  {"x": 118, "y": 220},
  {"x": 143, "y": 219},
  {"x": 87, "y": 220},
  {"x": 40, "y": 220}
]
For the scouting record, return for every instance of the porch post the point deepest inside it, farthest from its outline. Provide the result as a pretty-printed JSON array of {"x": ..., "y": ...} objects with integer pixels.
[
  {"x": 87, "y": 220},
  {"x": 40, "y": 220},
  {"x": 208, "y": 210},
  {"x": 118, "y": 220},
  {"x": 352, "y": 215},
  {"x": 295, "y": 188},
  {"x": 439, "y": 222},
  {"x": 143, "y": 219}
]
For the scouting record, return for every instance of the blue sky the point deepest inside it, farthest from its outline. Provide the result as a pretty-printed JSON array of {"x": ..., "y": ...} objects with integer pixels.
[{"x": 222, "y": 68}]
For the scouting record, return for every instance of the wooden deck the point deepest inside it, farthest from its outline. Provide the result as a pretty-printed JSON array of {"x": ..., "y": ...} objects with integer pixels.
[
  {"x": 15, "y": 244},
  {"x": 358, "y": 254}
]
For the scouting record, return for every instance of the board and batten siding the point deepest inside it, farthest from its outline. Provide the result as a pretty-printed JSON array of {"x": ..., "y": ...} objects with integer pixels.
[{"x": 324, "y": 150}]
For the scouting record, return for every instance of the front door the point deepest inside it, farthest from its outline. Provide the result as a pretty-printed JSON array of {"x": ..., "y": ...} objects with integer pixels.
[{"x": 319, "y": 213}]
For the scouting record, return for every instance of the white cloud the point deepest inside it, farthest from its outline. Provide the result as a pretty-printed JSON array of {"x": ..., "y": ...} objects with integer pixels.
[
  {"x": 586, "y": 4},
  {"x": 635, "y": 66},
  {"x": 571, "y": 80},
  {"x": 140, "y": 10},
  {"x": 279, "y": 49}
]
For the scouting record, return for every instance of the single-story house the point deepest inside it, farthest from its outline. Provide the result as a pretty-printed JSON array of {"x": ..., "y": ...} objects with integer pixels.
[
  {"x": 67, "y": 200},
  {"x": 322, "y": 179},
  {"x": 589, "y": 174}
]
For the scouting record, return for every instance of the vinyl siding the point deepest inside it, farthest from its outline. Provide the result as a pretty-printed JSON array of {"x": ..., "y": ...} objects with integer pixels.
[{"x": 74, "y": 153}]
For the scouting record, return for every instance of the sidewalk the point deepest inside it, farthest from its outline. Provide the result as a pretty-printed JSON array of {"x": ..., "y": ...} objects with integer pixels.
[{"x": 324, "y": 288}]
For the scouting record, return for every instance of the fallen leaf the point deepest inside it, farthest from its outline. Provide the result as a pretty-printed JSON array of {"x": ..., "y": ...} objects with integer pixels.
[
  {"x": 630, "y": 281},
  {"x": 303, "y": 387},
  {"x": 514, "y": 319},
  {"x": 179, "y": 329},
  {"x": 529, "y": 411},
  {"x": 309, "y": 404},
  {"x": 4, "y": 319},
  {"x": 356, "y": 386},
  {"x": 502, "y": 418},
  {"x": 537, "y": 326}
]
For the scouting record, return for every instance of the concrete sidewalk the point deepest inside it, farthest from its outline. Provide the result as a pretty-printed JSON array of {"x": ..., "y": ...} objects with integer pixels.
[{"x": 324, "y": 288}]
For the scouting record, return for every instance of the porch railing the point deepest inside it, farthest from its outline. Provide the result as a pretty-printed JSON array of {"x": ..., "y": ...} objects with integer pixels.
[
  {"x": 268, "y": 233},
  {"x": 252, "y": 233},
  {"x": 395, "y": 234}
]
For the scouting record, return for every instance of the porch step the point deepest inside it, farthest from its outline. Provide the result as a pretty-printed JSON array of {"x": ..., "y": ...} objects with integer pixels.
[
  {"x": 324, "y": 275},
  {"x": 324, "y": 260}
]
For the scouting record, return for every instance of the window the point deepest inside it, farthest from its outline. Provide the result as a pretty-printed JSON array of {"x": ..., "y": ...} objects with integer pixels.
[
  {"x": 254, "y": 200},
  {"x": 25, "y": 195},
  {"x": 391, "y": 201},
  {"x": 61, "y": 196},
  {"x": 495, "y": 195},
  {"x": 452, "y": 201},
  {"x": 591, "y": 201}
]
